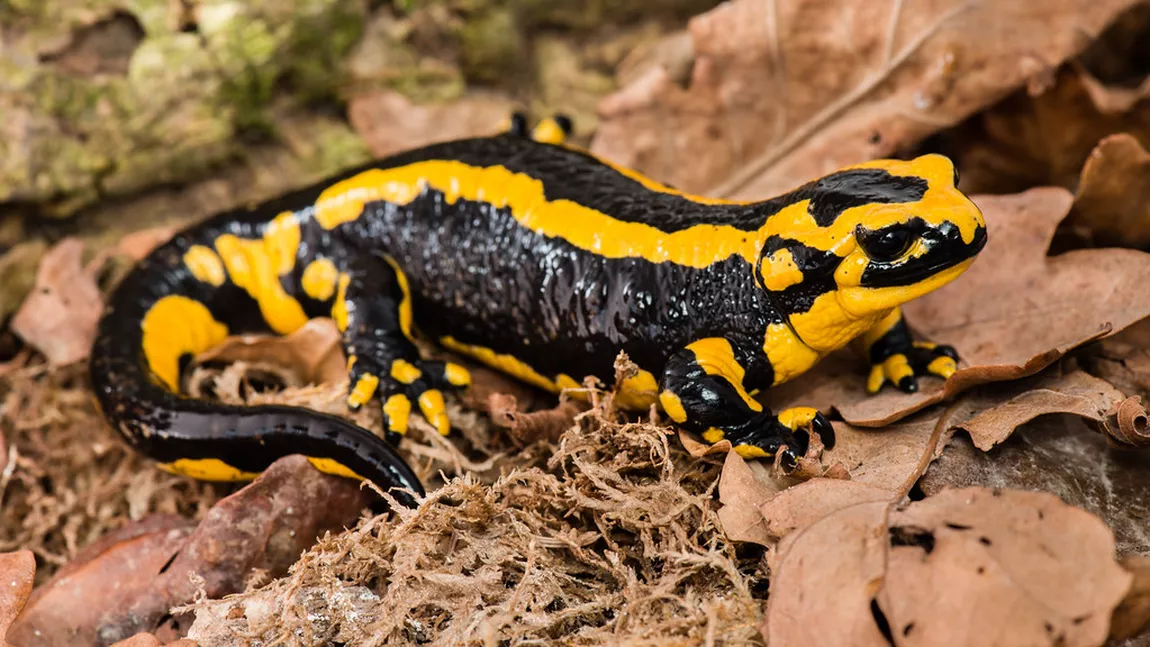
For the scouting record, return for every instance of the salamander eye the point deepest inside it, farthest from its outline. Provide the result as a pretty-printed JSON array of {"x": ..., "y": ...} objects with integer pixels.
[{"x": 884, "y": 245}]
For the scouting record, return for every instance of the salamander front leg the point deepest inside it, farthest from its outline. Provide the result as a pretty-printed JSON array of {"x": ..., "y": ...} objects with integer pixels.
[
  {"x": 897, "y": 358},
  {"x": 703, "y": 391},
  {"x": 373, "y": 309}
]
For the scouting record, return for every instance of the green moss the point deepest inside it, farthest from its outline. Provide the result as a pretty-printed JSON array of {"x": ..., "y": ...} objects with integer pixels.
[
  {"x": 493, "y": 45},
  {"x": 318, "y": 49}
]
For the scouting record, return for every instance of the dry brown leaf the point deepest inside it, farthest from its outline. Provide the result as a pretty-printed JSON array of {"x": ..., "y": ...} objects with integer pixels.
[
  {"x": 1031, "y": 569},
  {"x": 16, "y": 572},
  {"x": 1015, "y": 312},
  {"x": 895, "y": 457},
  {"x": 389, "y": 122},
  {"x": 1124, "y": 359},
  {"x": 313, "y": 354},
  {"x": 1112, "y": 206},
  {"x": 59, "y": 317},
  {"x": 138, "y": 244},
  {"x": 139, "y": 640},
  {"x": 1043, "y": 138},
  {"x": 1075, "y": 392},
  {"x": 825, "y": 577},
  {"x": 1132, "y": 617},
  {"x": 1027, "y": 567},
  {"x": 784, "y": 92},
  {"x": 741, "y": 494},
  {"x": 797, "y": 507},
  {"x": 264, "y": 526},
  {"x": 700, "y": 449}
]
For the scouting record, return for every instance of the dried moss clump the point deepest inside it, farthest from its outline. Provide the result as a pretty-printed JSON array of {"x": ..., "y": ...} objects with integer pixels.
[
  {"x": 615, "y": 538},
  {"x": 67, "y": 479}
]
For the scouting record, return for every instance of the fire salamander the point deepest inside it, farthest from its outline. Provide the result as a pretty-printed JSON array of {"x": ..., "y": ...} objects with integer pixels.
[{"x": 541, "y": 260}]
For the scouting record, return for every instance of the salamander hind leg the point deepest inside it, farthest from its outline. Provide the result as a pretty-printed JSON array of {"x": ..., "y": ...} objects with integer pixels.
[
  {"x": 703, "y": 391},
  {"x": 897, "y": 358},
  {"x": 373, "y": 309}
]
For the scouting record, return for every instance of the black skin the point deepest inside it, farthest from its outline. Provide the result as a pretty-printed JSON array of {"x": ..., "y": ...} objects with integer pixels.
[{"x": 477, "y": 275}]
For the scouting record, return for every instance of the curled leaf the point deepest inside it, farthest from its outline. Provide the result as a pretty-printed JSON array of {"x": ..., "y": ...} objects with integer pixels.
[
  {"x": 1131, "y": 426},
  {"x": 1075, "y": 393},
  {"x": 1112, "y": 206}
]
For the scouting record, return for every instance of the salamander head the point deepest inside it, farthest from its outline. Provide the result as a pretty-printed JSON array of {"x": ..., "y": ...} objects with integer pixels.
[{"x": 859, "y": 242}]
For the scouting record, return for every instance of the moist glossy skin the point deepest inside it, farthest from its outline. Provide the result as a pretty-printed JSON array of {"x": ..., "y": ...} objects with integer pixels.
[{"x": 545, "y": 262}]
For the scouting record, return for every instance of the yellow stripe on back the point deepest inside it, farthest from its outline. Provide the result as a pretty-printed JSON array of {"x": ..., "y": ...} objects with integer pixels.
[{"x": 698, "y": 246}]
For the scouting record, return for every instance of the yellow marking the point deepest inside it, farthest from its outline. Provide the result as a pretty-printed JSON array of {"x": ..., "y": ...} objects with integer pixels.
[
  {"x": 673, "y": 406},
  {"x": 638, "y": 392},
  {"x": 943, "y": 367},
  {"x": 797, "y": 417},
  {"x": 788, "y": 355},
  {"x": 175, "y": 326},
  {"x": 257, "y": 265},
  {"x": 713, "y": 435},
  {"x": 896, "y": 367},
  {"x": 207, "y": 469},
  {"x": 750, "y": 451},
  {"x": 874, "y": 304},
  {"x": 351, "y": 360},
  {"x": 319, "y": 279},
  {"x": 876, "y": 379},
  {"x": 404, "y": 371},
  {"x": 339, "y": 308},
  {"x": 548, "y": 132},
  {"x": 405, "y": 314},
  {"x": 434, "y": 410},
  {"x": 780, "y": 272},
  {"x": 331, "y": 466},
  {"x": 716, "y": 357},
  {"x": 205, "y": 265},
  {"x": 456, "y": 375},
  {"x": 364, "y": 388},
  {"x": 505, "y": 363},
  {"x": 397, "y": 409},
  {"x": 564, "y": 381}
]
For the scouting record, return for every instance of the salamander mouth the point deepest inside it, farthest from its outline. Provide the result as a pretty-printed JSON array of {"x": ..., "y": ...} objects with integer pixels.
[{"x": 946, "y": 249}]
